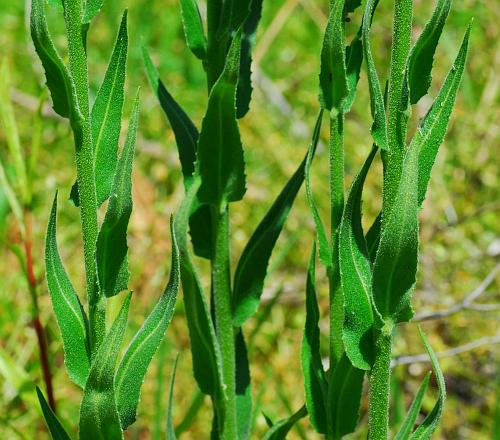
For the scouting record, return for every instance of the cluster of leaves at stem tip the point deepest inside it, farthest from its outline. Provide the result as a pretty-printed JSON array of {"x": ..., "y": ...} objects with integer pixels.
[
  {"x": 371, "y": 275},
  {"x": 111, "y": 389}
]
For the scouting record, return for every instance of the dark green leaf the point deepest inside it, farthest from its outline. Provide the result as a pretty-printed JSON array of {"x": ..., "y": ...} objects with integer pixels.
[
  {"x": 243, "y": 394},
  {"x": 352, "y": 5},
  {"x": 234, "y": 13},
  {"x": 354, "y": 60},
  {"x": 112, "y": 248},
  {"x": 410, "y": 419},
  {"x": 56, "y": 429},
  {"x": 99, "y": 417},
  {"x": 281, "y": 428},
  {"x": 432, "y": 129},
  {"x": 92, "y": 8},
  {"x": 57, "y": 76},
  {"x": 67, "y": 308},
  {"x": 134, "y": 364},
  {"x": 220, "y": 152},
  {"x": 422, "y": 54},
  {"x": 244, "y": 90},
  {"x": 333, "y": 76},
  {"x": 373, "y": 237},
  {"x": 170, "y": 422},
  {"x": 314, "y": 375},
  {"x": 193, "y": 28},
  {"x": 252, "y": 266},
  {"x": 356, "y": 276}
]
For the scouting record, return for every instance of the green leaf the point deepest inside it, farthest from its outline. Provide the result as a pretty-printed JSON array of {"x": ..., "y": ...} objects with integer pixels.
[
  {"x": 234, "y": 12},
  {"x": 57, "y": 76},
  {"x": 112, "y": 248},
  {"x": 410, "y": 419},
  {"x": 421, "y": 56},
  {"x": 325, "y": 253},
  {"x": 193, "y": 28},
  {"x": 252, "y": 266},
  {"x": 373, "y": 237},
  {"x": 244, "y": 90},
  {"x": 395, "y": 267},
  {"x": 134, "y": 364},
  {"x": 333, "y": 75},
  {"x": 314, "y": 375},
  {"x": 56, "y": 429},
  {"x": 432, "y": 129},
  {"x": 67, "y": 308},
  {"x": 430, "y": 423},
  {"x": 354, "y": 60},
  {"x": 379, "y": 126},
  {"x": 281, "y": 428},
  {"x": 99, "y": 417},
  {"x": 170, "y": 422},
  {"x": 346, "y": 388},
  {"x": 58, "y": 4},
  {"x": 352, "y": 5},
  {"x": 356, "y": 276},
  {"x": 220, "y": 152},
  {"x": 92, "y": 8},
  {"x": 243, "y": 391}
]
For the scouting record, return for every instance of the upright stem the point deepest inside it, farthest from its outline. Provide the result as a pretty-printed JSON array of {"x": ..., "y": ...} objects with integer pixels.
[
  {"x": 223, "y": 317},
  {"x": 81, "y": 125},
  {"x": 380, "y": 385}
]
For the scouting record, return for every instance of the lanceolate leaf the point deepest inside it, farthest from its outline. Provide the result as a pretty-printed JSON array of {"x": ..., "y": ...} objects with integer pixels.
[
  {"x": 56, "y": 429},
  {"x": 234, "y": 12},
  {"x": 111, "y": 251},
  {"x": 69, "y": 313},
  {"x": 243, "y": 395},
  {"x": 170, "y": 422},
  {"x": 379, "y": 127},
  {"x": 422, "y": 54},
  {"x": 193, "y": 28},
  {"x": 99, "y": 417},
  {"x": 333, "y": 76},
  {"x": 56, "y": 74},
  {"x": 430, "y": 423},
  {"x": 220, "y": 153},
  {"x": 244, "y": 90},
  {"x": 281, "y": 428},
  {"x": 410, "y": 419},
  {"x": 354, "y": 60},
  {"x": 395, "y": 266},
  {"x": 92, "y": 8},
  {"x": 314, "y": 375},
  {"x": 373, "y": 237},
  {"x": 135, "y": 362},
  {"x": 252, "y": 266},
  {"x": 432, "y": 129},
  {"x": 356, "y": 276}
]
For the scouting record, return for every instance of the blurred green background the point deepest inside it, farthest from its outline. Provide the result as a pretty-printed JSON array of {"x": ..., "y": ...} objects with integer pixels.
[{"x": 460, "y": 227}]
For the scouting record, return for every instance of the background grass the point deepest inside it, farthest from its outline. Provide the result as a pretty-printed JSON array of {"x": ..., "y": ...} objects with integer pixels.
[{"x": 459, "y": 224}]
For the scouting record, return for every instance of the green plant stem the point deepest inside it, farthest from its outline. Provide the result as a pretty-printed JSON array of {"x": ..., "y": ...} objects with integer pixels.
[
  {"x": 223, "y": 317},
  {"x": 380, "y": 380},
  {"x": 81, "y": 126}
]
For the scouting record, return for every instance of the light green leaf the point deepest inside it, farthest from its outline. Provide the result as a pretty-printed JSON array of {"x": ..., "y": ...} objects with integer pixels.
[
  {"x": 92, "y": 8},
  {"x": 56, "y": 429},
  {"x": 193, "y": 28},
  {"x": 134, "y": 364},
  {"x": 220, "y": 152},
  {"x": 99, "y": 417},
  {"x": 281, "y": 428},
  {"x": 58, "y": 4},
  {"x": 356, "y": 277},
  {"x": 170, "y": 422},
  {"x": 112, "y": 248},
  {"x": 252, "y": 266},
  {"x": 312, "y": 368},
  {"x": 67, "y": 308}
]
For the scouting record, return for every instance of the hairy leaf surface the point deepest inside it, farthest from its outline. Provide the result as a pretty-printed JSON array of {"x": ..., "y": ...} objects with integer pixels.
[
  {"x": 193, "y": 28},
  {"x": 92, "y": 8}
]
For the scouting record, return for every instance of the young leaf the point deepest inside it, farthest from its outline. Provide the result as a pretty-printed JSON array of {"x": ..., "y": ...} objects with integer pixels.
[
  {"x": 134, "y": 364},
  {"x": 67, "y": 308},
  {"x": 432, "y": 129},
  {"x": 252, "y": 266},
  {"x": 356, "y": 276},
  {"x": 410, "y": 419},
  {"x": 281, "y": 428},
  {"x": 111, "y": 250},
  {"x": 220, "y": 153},
  {"x": 170, "y": 422},
  {"x": 244, "y": 89},
  {"x": 193, "y": 28},
  {"x": 421, "y": 56},
  {"x": 430, "y": 423},
  {"x": 379, "y": 127},
  {"x": 333, "y": 76},
  {"x": 57, "y": 76},
  {"x": 314, "y": 375},
  {"x": 98, "y": 413},
  {"x": 92, "y": 8},
  {"x": 56, "y": 429},
  {"x": 243, "y": 395}
]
